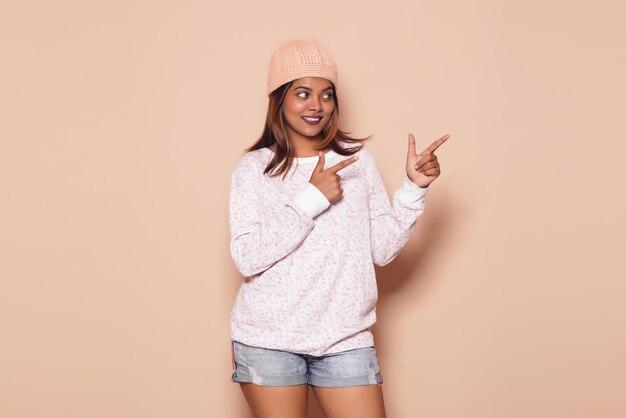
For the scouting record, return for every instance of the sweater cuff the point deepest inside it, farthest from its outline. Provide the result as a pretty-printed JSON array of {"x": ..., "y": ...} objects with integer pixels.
[
  {"x": 311, "y": 200},
  {"x": 408, "y": 184},
  {"x": 411, "y": 194}
]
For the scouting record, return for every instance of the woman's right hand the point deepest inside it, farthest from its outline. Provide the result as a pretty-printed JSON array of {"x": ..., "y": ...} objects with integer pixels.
[{"x": 328, "y": 181}]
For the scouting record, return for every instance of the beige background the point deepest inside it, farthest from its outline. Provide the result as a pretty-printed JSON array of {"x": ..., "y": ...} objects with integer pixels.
[{"x": 120, "y": 124}]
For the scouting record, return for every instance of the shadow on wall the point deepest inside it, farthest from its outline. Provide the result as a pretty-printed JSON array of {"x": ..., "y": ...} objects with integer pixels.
[{"x": 431, "y": 232}]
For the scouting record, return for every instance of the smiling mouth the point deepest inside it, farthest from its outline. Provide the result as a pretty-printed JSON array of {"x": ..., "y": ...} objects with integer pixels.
[{"x": 312, "y": 120}]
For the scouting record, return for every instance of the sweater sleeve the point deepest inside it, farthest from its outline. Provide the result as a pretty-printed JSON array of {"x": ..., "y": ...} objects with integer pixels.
[
  {"x": 257, "y": 243},
  {"x": 390, "y": 226}
]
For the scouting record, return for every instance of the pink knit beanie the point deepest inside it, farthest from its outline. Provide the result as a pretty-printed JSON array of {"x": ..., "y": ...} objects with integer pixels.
[{"x": 300, "y": 58}]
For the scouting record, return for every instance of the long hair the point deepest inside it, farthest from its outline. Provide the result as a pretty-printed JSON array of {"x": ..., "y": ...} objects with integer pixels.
[{"x": 276, "y": 133}]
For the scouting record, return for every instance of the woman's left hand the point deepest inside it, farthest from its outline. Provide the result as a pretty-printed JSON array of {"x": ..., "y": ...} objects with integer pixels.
[{"x": 423, "y": 168}]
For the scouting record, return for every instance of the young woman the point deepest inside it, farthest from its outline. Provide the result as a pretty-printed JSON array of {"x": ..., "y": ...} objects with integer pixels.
[{"x": 309, "y": 219}]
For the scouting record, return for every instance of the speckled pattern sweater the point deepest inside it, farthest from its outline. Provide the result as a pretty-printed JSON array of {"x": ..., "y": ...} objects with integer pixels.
[{"x": 310, "y": 284}]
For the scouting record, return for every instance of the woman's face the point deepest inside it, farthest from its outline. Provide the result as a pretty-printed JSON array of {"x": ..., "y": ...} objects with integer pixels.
[{"x": 308, "y": 97}]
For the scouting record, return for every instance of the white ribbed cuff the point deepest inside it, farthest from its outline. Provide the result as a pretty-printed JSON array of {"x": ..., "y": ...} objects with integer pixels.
[
  {"x": 411, "y": 194},
  {"x": 311, "y": 200},
  {"x": 410, "y": 185}
]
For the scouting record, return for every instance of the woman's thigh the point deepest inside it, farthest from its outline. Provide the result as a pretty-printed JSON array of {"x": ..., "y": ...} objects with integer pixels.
[
  {"x": 276, "y": 401},
  {"x": 364, "y": 401}
]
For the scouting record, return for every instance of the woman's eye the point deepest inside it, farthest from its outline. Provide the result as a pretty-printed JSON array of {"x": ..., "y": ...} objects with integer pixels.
[{"x": 329, "y": 95}]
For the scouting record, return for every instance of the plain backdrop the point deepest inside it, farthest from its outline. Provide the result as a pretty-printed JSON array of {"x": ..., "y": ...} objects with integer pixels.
[{"x": 121, "y": 122}]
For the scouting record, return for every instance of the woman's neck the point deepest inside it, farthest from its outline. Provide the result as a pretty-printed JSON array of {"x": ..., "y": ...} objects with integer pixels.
[{"x": 303, "y": 153}]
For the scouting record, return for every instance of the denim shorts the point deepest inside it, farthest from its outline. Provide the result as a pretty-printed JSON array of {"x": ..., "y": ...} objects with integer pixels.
[{"x": 268, "y": 367}]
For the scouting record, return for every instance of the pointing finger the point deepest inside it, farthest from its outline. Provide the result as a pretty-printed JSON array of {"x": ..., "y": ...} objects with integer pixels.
[
  {"x": 436, "y": 144},
  {"x": 343, "y": 164}
]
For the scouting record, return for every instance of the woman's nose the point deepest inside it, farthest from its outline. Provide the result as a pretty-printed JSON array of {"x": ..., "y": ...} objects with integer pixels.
[{"x": 316, "y": 104}]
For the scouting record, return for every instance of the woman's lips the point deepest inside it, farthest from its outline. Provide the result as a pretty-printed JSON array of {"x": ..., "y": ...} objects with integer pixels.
[{"x": 311, "y": 120}]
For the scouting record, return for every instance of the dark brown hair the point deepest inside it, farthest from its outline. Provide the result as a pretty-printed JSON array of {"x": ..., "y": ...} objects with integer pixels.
[{"x": 276, "y": 133}]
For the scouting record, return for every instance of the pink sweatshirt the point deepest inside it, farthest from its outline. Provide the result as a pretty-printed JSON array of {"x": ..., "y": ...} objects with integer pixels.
[{"x": 310, "y": 282}]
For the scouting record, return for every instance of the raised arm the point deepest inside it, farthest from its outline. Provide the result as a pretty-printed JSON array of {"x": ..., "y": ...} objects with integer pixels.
[
  {"x": 257, "y": 243},
  {"x": 390, "y": 226}
]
